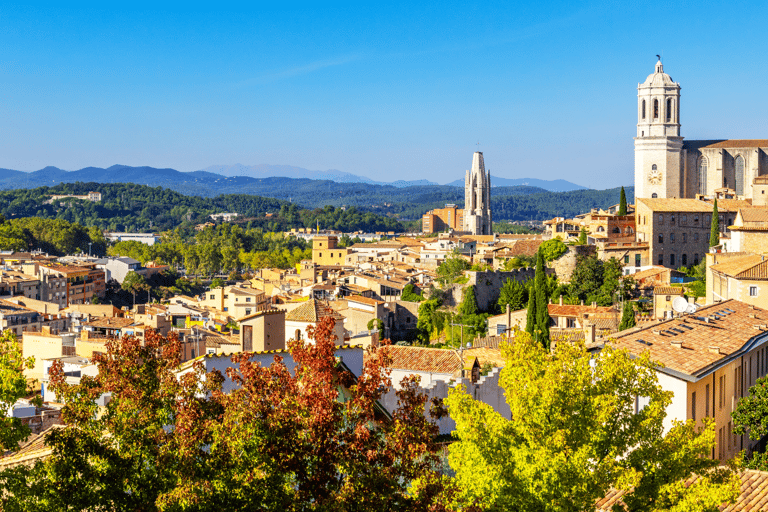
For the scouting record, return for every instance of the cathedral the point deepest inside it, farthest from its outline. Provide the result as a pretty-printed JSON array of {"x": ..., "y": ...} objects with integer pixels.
[
  {"x": 477, "y": 199},
  {"x": 667, "y": 166}
]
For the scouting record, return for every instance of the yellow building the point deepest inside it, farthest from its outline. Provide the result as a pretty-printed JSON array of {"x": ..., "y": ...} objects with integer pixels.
[
  {"x": 325, "y": 251},
  {"x": 236, "y": 301},
  {"x": 737, "y": 276}
]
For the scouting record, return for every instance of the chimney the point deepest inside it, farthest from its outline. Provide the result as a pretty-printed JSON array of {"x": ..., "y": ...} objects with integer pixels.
[
  {"x": 46, "y": 330},
  {"x": 594, "y": 305},
  {"x": 561, "y": 300},
  {"x": 582, "y": 302},
  {"x": 509, "y": 317},
  {"x": 592, "y": 332},
  {"x": 714, "y": 349},
  {"x": 677, "y": 343}
]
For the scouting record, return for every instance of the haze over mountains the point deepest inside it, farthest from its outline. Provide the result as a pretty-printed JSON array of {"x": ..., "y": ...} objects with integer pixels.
[{"x": 216, "y": 180}]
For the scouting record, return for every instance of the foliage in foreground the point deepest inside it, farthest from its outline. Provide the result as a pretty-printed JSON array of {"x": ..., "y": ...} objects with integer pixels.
[
  {"x": 309, "y": 440},
  {"x": 574, "y": 435},
  {"x": 13, "y": 385}
]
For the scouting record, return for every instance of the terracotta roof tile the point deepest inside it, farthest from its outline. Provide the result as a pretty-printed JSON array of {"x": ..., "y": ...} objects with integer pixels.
[
  {"x": 644, "y": 274},
  {"x": 751, "y": 266},
  {"x": 574, "y": 310},
  {"x": 753, "y": 496},
  {"x": 709, "y": 337},
  {"x": 311, "y": 311},
  {"x": 435, "y": 360},
  {"x": 740, "y": 143},
  {"x": 668, "y": 290},
  {"x": 677, "y": 205}
]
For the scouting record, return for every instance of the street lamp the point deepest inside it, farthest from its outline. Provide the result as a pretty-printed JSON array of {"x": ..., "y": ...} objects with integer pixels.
[{"x": 89, "y": 248}]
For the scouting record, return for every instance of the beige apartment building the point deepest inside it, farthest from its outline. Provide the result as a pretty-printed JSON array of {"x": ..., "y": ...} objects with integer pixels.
[
  {"x": 677, "y": 230},
  {"x": 236, "y": 301},
  {"x": 738, "y": 276},
  {"x": 709, "y": 361}
]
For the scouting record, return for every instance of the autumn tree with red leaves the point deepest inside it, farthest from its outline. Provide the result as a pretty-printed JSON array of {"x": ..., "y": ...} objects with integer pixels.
[{"x": 311, "y": 438}]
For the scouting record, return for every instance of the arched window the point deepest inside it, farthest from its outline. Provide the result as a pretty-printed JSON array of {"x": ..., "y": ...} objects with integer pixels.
[
  {"x": 739, "y": 168},
  {"x": 643, "y": 111},
  {"x": 703, "y": 176},
  {"x": 617, "y": 230},
  {"x": 600, "y": 229},
  {"x": 655, "y": 109},
  {"x": 654, "y": 195},
  {"x": 669, "y": 109},
  {"x": 654, "y": 167},
  {"x": 684, "y": 260}
]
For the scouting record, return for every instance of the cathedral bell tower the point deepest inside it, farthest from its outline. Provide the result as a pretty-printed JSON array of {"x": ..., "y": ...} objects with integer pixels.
[
  {"x": 477, "y": 198},
  {"x": 658, "y": 144}
]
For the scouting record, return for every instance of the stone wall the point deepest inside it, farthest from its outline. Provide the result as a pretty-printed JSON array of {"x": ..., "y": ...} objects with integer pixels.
[
  {"x": 487, "y": 390},
  {"x": 488, "y": 284},
  {"x": 565, "y": 264}
]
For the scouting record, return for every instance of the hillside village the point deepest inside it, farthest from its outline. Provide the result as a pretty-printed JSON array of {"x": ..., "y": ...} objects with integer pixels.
[{"x": 673, "y": 287}]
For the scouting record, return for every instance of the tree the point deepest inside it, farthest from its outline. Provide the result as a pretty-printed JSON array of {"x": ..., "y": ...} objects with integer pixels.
[
  {"x": 217, "y": 283},
  {"x": 582, "y": 237},
  {"x": 13, "y": 385},
  {"x": 512, "y": 293},
  {"x": 627, "y": 316},
  {"x": 134, "y": 283},
  {"x": 410, "y": 295},
  {"x": 469, "y": 302},
  {"x": 574, "y": 434},
  {"x": 376, "y": 324},
  {"x": 714, "y": 230},
  {"x": 587, "y": 278},
  {"x": 452, "y": 267},
  {"x": 751, "y": 416},
  {"x": 530, "y": 316},
  {"x": 553, "y": 249},
  {"x": 542, "y": 301},
  {"x": 308, "y": 438},
  {"x": 622, "y": 203}
]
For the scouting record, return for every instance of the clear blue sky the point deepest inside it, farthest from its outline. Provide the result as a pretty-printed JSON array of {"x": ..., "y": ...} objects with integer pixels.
[{"x": 386, "y": 91}]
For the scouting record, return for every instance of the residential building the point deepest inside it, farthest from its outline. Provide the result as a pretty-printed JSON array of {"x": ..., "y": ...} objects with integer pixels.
[
  {"x": 236, "y": 301},
  {"x": 44, "y": 345},
  {"x": 263, "y": 330},
  {"x": 708, "y": 360},
  {"x": 450, "y": 218},
  {"x": 144, "y": 238},
  {"x": 17, "y": 318},
  {"x": 118, "y": 268},
  {"x": 663, "y": 296},
  {"x": 309, "y": 314},
  {"x": 749, "y": 232},
  {"x": 738, "y": 276},
  {"x": 82, "y": 282}
]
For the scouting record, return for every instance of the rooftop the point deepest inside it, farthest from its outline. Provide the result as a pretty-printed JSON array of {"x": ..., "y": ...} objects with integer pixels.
[
  {"x": 750, "y": 266},
  {"x": 312, "y": 311},
  {"x": 432, "y": 360},
  {"x": 692, "y": 346}
]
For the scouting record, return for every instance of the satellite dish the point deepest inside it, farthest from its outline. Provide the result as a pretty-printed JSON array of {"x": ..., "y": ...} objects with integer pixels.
[
  {"x": 680, "y": 305},
  {"x": 692, "y": 308}
]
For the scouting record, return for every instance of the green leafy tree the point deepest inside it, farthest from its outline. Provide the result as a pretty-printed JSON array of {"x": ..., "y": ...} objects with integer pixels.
[
  {"x": 217, "y": 283},
  {"x": 425, "y": 325},
  {"x": 530, "y": 316},
  {"x": 512, "y": 293},
  {"x": 376, "y": 324},
  {"x": 582, "y": 240},
  {"x": 627, "y": 316},
  {"x": 714, "y": 230},
  {"x": 13, "y": 385},
  {"x": 452, "y": 268},
  {"x": 751, "y": 417},
  {"x": 552, "y": 249},
  {"x": 410, "y": 295},
  {"x": 574, "y": 434},
  {"x": 469, "y": 302},
  {"x": 622, "y": 203}
]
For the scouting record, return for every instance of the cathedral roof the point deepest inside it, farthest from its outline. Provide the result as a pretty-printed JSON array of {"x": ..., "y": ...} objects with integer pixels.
[
  {"x": 740, "y": 143},
  {"x": 659, "y": 78}
]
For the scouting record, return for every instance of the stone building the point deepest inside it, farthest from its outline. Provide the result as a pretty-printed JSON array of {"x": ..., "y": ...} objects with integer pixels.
[
  {"x": 477, "y": 198},
  {"x": 666, "y": 166}
]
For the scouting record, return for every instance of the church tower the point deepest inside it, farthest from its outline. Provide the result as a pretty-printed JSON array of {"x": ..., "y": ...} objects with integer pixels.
[
  {"x": 658, "y": 145},
  {"x": 477, "y": 198}
]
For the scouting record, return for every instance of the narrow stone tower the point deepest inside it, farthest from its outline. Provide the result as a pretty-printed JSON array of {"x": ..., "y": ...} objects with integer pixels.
[
  {"x": 658, "y": 145},
  {"x": 477, "y": 198}
]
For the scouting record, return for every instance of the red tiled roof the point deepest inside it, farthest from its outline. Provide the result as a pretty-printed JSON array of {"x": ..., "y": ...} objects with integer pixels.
[
  {"x": 740, "y": 143},
  {"x": 434, "y": 360},
  {"x": 574, "y": 310},
  {"x": 312, "y": 311}
]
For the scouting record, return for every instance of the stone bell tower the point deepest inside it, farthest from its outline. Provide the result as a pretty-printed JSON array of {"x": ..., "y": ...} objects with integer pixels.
[
  {"x": 658, "y": 145},
  {"x": 477, "y": 198}
]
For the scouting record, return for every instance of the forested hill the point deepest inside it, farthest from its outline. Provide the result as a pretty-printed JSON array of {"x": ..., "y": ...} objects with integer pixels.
[{"x": 138, "y": 208}]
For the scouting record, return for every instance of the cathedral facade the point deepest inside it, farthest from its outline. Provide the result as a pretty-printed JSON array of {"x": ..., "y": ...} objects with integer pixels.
[
  {"x": 667, "y": 166},
  {"x": 477, "y": 198}
]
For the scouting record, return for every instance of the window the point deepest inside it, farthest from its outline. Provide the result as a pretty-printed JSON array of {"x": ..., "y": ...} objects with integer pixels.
[
  {"x": 695, "y": 237},
  {"x": 661, "y": 259},
  {"x": 661, "y": 238},
  {"x": 684, "y": 260},
  {"x": 706, "y": 401},
  {"x": 247, "y": 299},
  {"x": 642, "y": 111},
  {"x": 693, "y": 406},
  {"x": 501, "y": 329},
  {"x": 685, "y": 237},
  {"x": 654, "y": 195},
  {"x": 672, "y": 260},
  {"x": 661, "y": 218},
  {"x": 672, "y": 219},
  {"x": 669, "y": 109},
  {"x": 637, "y": 260},
  {"x": 655, "y": 109},
  {"x": 626, "y": 259},
  {"x": 683, "y": 219},
  {"x": 721, "y": 394},
  {"x": 672, "y": 238},
  {"x": 753, "y": 291},
  {"x": 738, "y": 165},
  {"x": 570, "y": 323},
  {"x": 654, "y": 167},
  {"x": 703, "y": 177},
  {"x": 319, "y": 255},
  {"x": 212, "y": 296}
]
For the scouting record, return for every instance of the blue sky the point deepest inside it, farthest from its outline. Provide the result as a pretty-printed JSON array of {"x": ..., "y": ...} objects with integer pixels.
[{"x": 389, "y": 91}]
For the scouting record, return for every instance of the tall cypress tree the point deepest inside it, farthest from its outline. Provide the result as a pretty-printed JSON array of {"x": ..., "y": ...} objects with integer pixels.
[
  {"x": 623, "y": 202},
  {"x": 542, "y": 301},
  {"x": 714, "y": 231},
  {"x": 530, "y": 318},
  {"x": 627, "y": 316}
]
